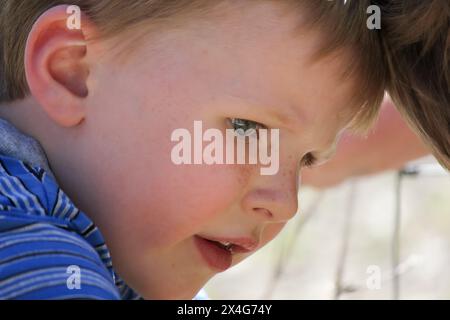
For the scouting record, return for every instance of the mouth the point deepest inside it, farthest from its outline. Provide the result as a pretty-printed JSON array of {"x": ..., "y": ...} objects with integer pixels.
[{"x": 218, "y": 252}]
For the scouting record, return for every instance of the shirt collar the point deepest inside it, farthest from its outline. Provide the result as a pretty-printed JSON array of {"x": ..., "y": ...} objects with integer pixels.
[{"x": 16, "y": 144}]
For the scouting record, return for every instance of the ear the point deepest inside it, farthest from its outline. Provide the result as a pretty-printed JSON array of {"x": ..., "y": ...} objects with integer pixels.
[{"x": 55, "y": 66}]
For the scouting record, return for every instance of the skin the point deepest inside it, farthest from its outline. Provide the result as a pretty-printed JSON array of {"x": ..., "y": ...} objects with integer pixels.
[
  {"x": 106, "y": 129},
  {"x": 390, "y": 145}
]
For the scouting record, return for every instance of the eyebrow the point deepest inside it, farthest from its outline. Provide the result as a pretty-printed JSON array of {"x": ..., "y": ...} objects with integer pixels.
[
  {"x": 290, "y": 120},
  {"x": 317, "y": 157},
  {"x": 329, "y": 154},
  {"x": 286, "y": 119},
  {"x": 275, "y": 111}
]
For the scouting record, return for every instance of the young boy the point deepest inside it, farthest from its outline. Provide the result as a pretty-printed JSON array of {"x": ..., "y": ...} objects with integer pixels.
[{"x": 100, "y": 103}]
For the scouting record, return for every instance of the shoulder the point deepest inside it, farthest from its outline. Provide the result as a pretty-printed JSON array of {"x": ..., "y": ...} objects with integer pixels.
[
  {"x": 43, "y": 261},
  {"x": 48, "y": 248}
]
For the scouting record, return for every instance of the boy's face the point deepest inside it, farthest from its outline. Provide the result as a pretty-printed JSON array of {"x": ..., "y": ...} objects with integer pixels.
[{"x": 247, "y": 65}]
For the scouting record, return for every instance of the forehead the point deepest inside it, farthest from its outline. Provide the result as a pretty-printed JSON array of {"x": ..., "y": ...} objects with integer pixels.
[
  {"x": 275, "y": 57},
  {"x": 259, "y": 53}
]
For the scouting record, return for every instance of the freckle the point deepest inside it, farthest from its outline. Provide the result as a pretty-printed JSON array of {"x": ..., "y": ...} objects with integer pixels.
[{"x": 244, "y": 173}]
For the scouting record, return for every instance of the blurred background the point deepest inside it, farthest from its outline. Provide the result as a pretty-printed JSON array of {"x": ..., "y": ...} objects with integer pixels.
[{"x": 384, "y": 236}]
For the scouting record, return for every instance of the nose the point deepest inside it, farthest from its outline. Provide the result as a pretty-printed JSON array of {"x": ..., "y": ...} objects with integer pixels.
[{"x": 272, "y": 203}]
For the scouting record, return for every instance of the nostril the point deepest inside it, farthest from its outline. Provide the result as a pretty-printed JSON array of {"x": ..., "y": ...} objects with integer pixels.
[{"x": 262, "y": 211}]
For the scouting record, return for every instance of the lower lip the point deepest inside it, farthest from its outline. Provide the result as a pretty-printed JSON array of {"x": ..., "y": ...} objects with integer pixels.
[{"x": 216, "y": 257}]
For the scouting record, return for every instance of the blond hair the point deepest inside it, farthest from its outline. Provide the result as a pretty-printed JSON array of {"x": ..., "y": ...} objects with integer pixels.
[
  {"x": 343, "y": 26},
  {"x": 418, "y": 40}
]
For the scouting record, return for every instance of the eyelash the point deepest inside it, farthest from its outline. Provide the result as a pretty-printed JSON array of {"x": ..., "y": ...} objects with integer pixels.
[
  {"x": 233, "y": 121},
  {"x": 309, "y": 160}
]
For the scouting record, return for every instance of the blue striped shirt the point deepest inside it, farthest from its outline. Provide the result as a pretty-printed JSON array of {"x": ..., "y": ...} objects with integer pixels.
[
  {"x": 49, "y": 249},
  {"x": 42, "y": 235}
]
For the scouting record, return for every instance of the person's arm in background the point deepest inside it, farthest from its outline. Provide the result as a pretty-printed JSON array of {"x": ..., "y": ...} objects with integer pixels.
[{"x": 389, "y": 146}]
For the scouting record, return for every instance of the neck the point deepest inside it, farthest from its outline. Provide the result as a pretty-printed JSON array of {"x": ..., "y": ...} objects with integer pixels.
[
  {"x": 17, "y": 141},
  {"x": 30, "y": 118},
  {"x": 58, "y": 144},
  {"x": 22, "y": 114}
]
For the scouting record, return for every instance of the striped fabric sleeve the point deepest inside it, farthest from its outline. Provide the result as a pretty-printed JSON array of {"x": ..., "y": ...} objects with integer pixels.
[{"x": 42, "y": 261}]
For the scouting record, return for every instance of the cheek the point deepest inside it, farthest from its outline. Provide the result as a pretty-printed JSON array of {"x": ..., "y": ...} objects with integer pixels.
[
  {"x": 173, "y": 202},
  {"x": 159, "y": 203},
  {"x": 270, "y": 232},
  {"x": 176, "y": 202}
]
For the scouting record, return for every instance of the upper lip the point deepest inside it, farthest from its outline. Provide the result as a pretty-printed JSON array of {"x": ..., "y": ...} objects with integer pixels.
[{"x": 240, "y": 244}]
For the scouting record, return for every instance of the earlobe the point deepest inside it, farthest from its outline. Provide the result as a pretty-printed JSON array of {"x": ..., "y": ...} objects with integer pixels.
[{"x": 55, "y": 67}]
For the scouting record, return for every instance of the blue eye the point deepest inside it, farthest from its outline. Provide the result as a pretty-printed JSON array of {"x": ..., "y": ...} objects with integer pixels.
[{"x": 245, "y": 127}]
